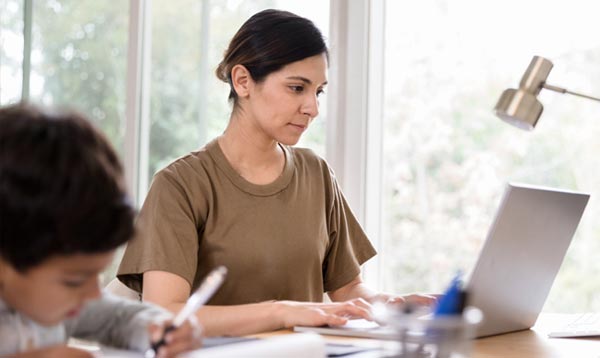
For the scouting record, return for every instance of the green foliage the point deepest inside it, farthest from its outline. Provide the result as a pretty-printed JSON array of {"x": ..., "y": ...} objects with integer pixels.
[{"x": 79, "y": 59}]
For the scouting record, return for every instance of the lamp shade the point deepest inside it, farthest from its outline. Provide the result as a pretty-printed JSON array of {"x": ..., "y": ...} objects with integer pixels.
[{"x": 520, "y": 107}]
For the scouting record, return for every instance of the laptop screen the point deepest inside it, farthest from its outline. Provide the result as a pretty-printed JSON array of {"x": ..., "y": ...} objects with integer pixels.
[{"x": 522, "y": 254}]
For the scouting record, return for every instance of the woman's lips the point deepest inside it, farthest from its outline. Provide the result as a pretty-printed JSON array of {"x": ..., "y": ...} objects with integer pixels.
[{"x": 298, "y": 127}]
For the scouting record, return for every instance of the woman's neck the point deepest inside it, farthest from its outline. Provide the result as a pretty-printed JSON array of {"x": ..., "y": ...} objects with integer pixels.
[{"x": 256, "y": 157}]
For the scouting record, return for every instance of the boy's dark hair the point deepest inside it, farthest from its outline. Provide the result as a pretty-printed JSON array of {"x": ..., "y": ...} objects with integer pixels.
[
  {"x": 267, "y": 42},
  {"x": 62, "y": 190}
]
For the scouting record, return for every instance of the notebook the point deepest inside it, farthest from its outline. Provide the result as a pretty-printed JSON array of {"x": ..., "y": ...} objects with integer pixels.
[{"x": 522, "y": 254}]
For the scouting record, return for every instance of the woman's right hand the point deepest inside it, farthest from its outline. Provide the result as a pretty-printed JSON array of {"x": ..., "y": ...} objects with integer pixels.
[
  {"x": 318, "y": 314},
  {"x": 58, "y": 351}
]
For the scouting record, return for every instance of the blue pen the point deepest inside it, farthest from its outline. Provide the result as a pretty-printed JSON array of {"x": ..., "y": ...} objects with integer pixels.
[{"x": 453, "y": 300}]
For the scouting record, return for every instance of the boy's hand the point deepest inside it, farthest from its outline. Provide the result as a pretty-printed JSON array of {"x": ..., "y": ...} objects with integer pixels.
[
  {"x": 185, "y": 338},
  {"x": 59, "y": 351}
]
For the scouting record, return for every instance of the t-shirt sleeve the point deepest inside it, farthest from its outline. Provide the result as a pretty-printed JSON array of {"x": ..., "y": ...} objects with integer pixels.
[
  {"x": 167, "y": 238},
  {"x": 349, "y": 246}
]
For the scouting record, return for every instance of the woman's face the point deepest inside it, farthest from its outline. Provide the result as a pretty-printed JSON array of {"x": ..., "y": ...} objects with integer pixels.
[{"x": 285, "y": 103}]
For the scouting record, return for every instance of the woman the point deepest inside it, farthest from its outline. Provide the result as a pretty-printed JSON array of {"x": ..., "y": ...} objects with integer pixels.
[{"x": 272, "y": 214}]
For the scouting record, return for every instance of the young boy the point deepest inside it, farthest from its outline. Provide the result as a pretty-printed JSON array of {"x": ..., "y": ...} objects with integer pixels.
[{"x": 63, "y": 212}]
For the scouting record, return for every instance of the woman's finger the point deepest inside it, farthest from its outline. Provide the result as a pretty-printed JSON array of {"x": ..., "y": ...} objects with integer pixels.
[
  {"x": 361, "y": 302},
  {"x": 352, "y": 310}
]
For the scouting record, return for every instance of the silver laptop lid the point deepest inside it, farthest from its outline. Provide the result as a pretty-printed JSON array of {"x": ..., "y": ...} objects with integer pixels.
[{"x": 522, "y": 254}]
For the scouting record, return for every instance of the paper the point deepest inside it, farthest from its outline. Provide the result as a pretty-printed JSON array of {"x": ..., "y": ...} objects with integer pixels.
[
  {"x": 289, "y": 346},
  {"x": 300, "y": 345}
]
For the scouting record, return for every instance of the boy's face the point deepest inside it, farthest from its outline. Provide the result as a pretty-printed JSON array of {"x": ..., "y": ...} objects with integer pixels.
[{"x": 56, "y": 289}]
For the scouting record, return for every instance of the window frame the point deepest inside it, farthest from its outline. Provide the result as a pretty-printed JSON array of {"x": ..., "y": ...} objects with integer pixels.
[{"x": 355, "y": 103}]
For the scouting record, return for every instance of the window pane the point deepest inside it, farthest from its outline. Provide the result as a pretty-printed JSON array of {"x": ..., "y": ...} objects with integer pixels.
[
  {"x": 447, "y": 157},
  {"x": 189, "y": 104},
  {"x": 79, "y": 58},
  {"x": 11, "y": 51}
]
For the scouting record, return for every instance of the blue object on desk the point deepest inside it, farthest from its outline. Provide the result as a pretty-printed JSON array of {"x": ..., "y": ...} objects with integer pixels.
[{"x": 453, "y": 300}]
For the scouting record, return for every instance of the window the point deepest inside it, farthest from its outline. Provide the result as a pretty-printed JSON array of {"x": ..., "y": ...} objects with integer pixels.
[
  {"x": 78, "y": 58},
  {"x": 446, "y": 157},
  {"x": 11, "y": 51}
]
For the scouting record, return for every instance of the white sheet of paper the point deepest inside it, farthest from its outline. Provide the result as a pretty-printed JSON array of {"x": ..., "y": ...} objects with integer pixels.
[
  {"x": 307, "y": 345},
  {"x": 289, "y": 346}
]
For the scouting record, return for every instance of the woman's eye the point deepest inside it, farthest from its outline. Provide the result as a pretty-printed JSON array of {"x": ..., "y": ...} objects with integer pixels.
[
  {"x": 297, "y": 89},
  {"x": 320, "y": 92}
]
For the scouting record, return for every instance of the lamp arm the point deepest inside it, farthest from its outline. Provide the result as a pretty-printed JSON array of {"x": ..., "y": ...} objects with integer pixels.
[{"x": 563, "y": 90}]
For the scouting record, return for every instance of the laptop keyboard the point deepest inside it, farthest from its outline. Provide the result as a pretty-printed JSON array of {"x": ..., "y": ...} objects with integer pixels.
[{"x": 585, "y": 325}]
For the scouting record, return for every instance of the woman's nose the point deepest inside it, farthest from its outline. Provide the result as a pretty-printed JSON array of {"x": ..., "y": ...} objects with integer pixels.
[{"x": 311, "y": 106}]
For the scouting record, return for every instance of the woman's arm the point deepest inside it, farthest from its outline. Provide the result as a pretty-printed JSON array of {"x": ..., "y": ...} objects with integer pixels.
[
  {"x": 358, "y": 289},
  {"x": 171, "y": 292}
]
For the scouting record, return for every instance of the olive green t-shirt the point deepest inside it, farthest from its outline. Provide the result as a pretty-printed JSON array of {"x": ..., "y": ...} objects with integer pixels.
[{"x": 292, "y": 239}]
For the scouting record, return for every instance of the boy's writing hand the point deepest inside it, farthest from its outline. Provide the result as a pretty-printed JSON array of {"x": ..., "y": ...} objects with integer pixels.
[
  {"x": 185, "y": 338},
  {"x": 59, "y": 351}
]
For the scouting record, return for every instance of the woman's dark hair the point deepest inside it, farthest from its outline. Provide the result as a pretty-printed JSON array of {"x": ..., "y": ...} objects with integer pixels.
[
  {"x": 62, "y": 190},
  {"x": 268, "y": 41}
]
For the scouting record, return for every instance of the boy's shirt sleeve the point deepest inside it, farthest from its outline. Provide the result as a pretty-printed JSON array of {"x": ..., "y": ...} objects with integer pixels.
[{"x": 116, "y": 322}]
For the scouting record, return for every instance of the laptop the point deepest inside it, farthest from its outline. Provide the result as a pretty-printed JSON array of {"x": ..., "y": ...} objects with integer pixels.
[
  {"x": 522, "y": 254},
  {"x": 520, "y": 258}
]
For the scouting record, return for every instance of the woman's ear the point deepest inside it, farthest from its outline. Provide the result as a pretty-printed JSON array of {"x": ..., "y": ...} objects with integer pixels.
[{"x": 241, "y": 80}]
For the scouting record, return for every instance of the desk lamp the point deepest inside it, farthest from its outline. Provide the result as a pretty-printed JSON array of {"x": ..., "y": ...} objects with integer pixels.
[{"x": 520, "y": 107}]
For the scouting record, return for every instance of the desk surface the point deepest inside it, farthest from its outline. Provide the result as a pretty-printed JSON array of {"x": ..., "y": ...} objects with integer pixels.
[
  {"x": 532, "y": 343},
  {"x": 535, "y": 343}
]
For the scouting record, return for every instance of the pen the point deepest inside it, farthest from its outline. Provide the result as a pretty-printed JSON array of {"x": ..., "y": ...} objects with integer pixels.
[
  {"x": 454, "y": 299},
  {"x": 207, "y": 288}
]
